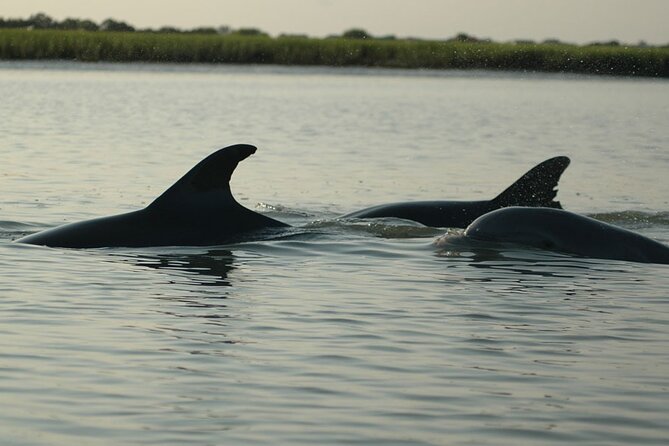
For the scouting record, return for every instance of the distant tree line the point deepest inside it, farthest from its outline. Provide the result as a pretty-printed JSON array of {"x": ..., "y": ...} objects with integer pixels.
[{"x": 43, "y": 21}]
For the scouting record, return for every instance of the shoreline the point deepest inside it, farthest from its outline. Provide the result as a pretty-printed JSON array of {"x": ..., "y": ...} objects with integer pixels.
[
  {"x": 97, "y": 46},
  {"x": 201, "y": 67}
]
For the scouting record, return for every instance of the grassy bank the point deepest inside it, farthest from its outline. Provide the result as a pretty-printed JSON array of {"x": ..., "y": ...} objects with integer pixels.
[{"x": 207, "y": 48}]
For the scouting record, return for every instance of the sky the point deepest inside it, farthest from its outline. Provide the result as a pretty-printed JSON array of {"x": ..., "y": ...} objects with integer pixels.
[{"x": 574, "y": 21}]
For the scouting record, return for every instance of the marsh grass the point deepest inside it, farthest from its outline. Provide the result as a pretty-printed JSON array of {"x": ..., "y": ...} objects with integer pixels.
[{"x": 207, "y": 48}]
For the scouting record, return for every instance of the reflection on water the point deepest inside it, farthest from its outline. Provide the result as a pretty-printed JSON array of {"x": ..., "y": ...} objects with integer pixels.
[{"x": 209, "y": 268}]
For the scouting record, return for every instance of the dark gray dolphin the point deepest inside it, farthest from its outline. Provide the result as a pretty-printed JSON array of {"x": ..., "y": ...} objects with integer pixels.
[
  {"x": 563, "y": 231},
  {"x": 198, "y": 210},
  {"x": 536, "y": 188}
]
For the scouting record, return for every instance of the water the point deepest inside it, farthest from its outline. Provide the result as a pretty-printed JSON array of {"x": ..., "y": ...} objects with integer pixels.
[{"x": 348, "y": 333}]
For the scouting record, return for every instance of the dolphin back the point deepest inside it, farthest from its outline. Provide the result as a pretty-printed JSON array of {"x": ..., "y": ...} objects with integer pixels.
[
  {"x": 562, "y": 231},
  {"x": 197, "y": 210},
  {"x": 537, "y": 187}
]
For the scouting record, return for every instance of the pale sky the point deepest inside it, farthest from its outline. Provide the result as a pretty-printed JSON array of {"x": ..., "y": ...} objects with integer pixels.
[{"x": 577, "y": 21}]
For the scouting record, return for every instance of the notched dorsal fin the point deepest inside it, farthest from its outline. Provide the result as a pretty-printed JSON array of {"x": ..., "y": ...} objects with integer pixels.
[
  {"x": 538, "y": 187},
  {"x": 212, "y": 173}
]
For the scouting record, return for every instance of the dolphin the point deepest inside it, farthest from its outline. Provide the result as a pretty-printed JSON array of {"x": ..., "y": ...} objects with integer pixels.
[
  {"x": 566, "y": 232},
  {"x": 197, "y": 210},
  {"x": 536, "y": 188}
]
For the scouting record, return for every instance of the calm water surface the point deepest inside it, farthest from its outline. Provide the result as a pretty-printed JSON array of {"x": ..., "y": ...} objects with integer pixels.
[{"x": 348, "y": 333}]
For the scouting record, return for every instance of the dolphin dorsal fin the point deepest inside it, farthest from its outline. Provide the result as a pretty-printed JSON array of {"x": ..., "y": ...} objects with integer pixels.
[
  {"x": 538, "y": 187},
  {"x": 211, "y": 174}
]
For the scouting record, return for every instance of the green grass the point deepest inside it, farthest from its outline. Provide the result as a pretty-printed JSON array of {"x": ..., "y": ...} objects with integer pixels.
[{"x": 205, "y": 48}]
